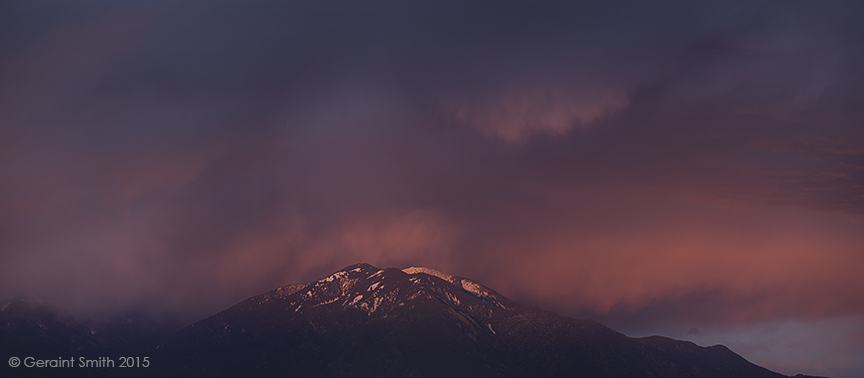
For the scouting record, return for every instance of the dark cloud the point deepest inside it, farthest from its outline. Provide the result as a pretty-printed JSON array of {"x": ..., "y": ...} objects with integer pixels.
[{"x": 644, "y": 164}]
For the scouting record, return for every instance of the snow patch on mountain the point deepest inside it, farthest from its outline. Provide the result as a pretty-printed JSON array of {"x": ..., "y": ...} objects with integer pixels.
[
  {"x": 336, "y": 276},
  {"x": 281, "y": 293},
  {"x": 355, "y": 300},
  {"x": 371, "y": 289},
  {"x": 453, "y": 299},
  {"x": 377, "y": 302},
  {"x": 347, "y": 284},
  {"x": 471, "y": 287},
  {"x": 414, "y": 295},
  {"x": 431, "y": 272},
  {"x": 326, "y": 302},
  {"x": 474, "y": 288}
]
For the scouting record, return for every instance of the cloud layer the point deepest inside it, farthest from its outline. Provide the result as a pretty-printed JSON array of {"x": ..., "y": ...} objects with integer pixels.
[{"x": 658, "y": 167}]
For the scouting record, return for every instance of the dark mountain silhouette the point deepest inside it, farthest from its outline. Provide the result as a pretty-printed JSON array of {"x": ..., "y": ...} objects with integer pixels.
[
  {"x": 363, "y": 321},
  {"x": 367, "y": 322},
  {"x": 29, "y": 327}
]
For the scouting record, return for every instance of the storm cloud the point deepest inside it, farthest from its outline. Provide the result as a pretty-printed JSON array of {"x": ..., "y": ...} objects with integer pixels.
[{"x": 656, "y": 166}]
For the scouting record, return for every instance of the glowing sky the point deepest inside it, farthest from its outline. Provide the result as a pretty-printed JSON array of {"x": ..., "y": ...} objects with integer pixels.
[{"x": 690, "y": 169}]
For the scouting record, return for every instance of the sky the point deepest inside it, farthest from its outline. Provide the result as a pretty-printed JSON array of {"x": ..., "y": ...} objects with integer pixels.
[{"x": 688, "y": 169}]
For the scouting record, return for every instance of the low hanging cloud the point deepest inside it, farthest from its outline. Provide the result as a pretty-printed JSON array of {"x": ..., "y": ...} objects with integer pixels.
[
  {"x": 418, "y": 237},
  {"x": 515, "y": 115}
]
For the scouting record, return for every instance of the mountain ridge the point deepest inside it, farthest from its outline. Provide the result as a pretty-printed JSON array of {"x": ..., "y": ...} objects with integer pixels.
[{"x": 364, "y": 321}]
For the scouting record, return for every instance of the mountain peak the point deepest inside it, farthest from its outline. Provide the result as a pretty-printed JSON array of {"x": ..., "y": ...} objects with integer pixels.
[
  {"x": 368, "y": 288},
  {"x": 429, "y": 271},
  {"x": 364, "y": 321},
  {"x": 477, "y": 290}
]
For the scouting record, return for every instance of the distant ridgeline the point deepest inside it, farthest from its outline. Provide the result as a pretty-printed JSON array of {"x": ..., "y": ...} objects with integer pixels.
[{"x": 361, "y": 321}]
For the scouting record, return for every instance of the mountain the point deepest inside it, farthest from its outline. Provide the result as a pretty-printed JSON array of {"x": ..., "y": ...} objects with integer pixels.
[{"x": 363, "y": 321}]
